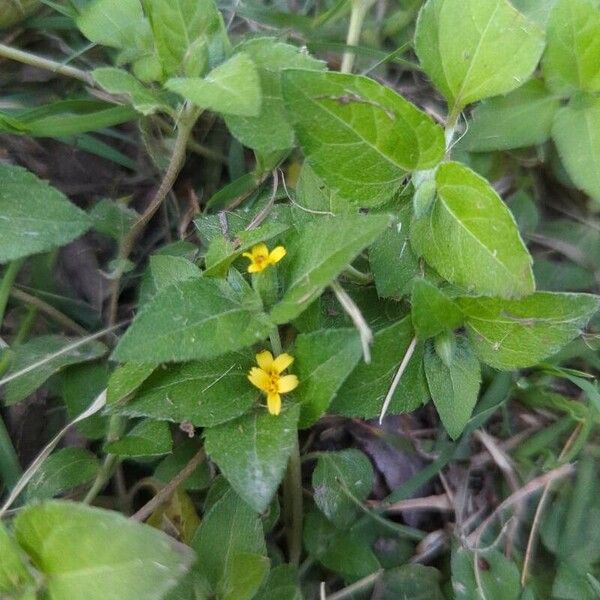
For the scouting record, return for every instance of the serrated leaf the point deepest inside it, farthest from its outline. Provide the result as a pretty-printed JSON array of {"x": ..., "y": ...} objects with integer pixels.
[
  {"x": 147, "y": 438},
  {"x": 270, "y": 129},
  {"x": 474, "y": 49},
  {"x": 522, "y": 118},
  {"x": 455, "y": 387},
  {"x": 576, "y": 132},
  {"x": 337, "y": 478},
  {"x": 432, "y": 311},
  {"x": 118, "y": 81},
  {"x": 85, "y": 552},
  {"x": 179, "y": 25},
  {"x": 512, "y": 334},
  {"x": 323, "y": 361},
  {"x": 358, "y": 135},
  {"x": 572, "y": 58},
  {"x": 252, "y": 452},
  {"x": 471, "y": 238},
  {"x": 364, "y": 391},
  {"x": 37, "y": 350},
  {"x": 229, "y": 528},
  {"x": 317, "y": 254},
  {"x": 63, "y": 470},
  {"x": 194, "y": 319},
  {"x": 34, "y": 217},
  {"x": 232, "y": 88},
  {"x": 204, "y": 393}
]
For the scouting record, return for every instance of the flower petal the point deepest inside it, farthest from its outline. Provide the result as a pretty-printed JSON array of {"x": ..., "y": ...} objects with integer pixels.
[
  {"x": 260, "y": 250},
  {"x": 248, "y": 255},
  {"x": 264, "y": 360},
  {"x": 259, "y": 378},
  {"x": 282, "y": 362},
  {"x": 287, "y": 383},
  {"x": 254, "y": 268},
  {"x": 274, "y": 403},
  {"x": 277, "y": 254}
]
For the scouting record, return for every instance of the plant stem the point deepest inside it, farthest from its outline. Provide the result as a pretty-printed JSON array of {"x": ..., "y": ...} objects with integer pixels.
[
  {"x": 358, "y": 586},
  {"x": 184, "y": 130},
  {"x": 275, "y": 342},
  {"x": 292, "y": 501},
  {"x": 10, "y": 274},
  {"x": 46, "y": 64},
  {"x": 357, "y": 18}
]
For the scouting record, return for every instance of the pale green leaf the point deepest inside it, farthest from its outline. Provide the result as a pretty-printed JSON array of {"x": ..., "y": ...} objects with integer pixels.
[
  {"x": 37, "y": 350},
  {"x": 522, "y": 118},
  {"x": 455, "y": 387},
  {"x": 232, "y": 88},
  {"x": 323, "y": 361},
  {"x": 194, "y": 319},
  {"x": 34, "y": 217},
  {"x": 340, "y": 480},
  {"x": 364, "y": 391},
  {"x": 14, "y": 575},
  {"x": 63, "y": 470},
  {"x": 229, "y": 529},
  {"x": 474, "y": 49},
  {"x": 118, "y": 81},
  {"x": 270, "y": 130},
  {"x": 576, "y": 132},
  {"x": 512, "y": 334},
  {"x": 252, "y": 452},
  {"x": 572, "y": 58},
  {"x": 182, "y": 27},
  {"x": 85, "y": 552},
  {"x": 317, "y": 254},
  {"x": 432, "y": 311},
  {"x": 204, "y": 393},
  {"x": 358, "y": 135},
  {"x": 147, "y": 438},
  {"x": 471, "y": 238},
  {"x": 244, "y": 576}
]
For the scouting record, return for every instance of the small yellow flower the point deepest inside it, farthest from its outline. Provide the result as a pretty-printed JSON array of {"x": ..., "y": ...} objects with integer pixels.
[
  {"x": 260, "y": 257},
  {"x": 267, "y": 378}
]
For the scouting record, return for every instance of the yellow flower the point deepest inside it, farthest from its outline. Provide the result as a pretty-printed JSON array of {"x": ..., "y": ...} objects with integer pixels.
[
  {"x": 267, "y": 378},
  {"x": 260, "y": 257}
]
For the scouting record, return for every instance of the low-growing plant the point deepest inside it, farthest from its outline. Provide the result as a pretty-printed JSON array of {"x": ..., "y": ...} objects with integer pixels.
[{"x": 356, "y": 261}]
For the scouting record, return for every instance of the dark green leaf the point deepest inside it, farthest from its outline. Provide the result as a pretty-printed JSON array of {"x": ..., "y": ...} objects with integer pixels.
[
  {"x": 432, "y": 311},
  {"x": 147, "y": 438}
]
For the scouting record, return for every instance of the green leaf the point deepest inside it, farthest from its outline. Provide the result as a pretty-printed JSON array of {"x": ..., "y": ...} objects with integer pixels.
[
  {"x": 522, "y": 118},
  {"x": 194, "y": 319},
  {"x": 252, "y": 452},
  {"x": 204, "y": 393},
  {"x": 324, "y": 359},
  {"x": 512, "y": 334},
  {"x": 337, "y": 478},
  {"x": 363, "y": 393},
  {"x": 270, "y": 130},
  {"x": 473, "y": 49},
  {"x": 454, "y": 387},
  {"x": 229, "y": 529},
  {"x": 39, "y": 349},
  {"x": 432, "y": 311},
  {"x": 34, "y": 217},
  {"x": 118, "y": 81},
  {"x": 416, "y": 582},
  {"x": 147, "y": 438},
  {"x": 232, "y": 88},
  {"x": 358, "y": 135},
  {"x": 125, "y": 380},
  {"x": 318, "y": 254},
  {"x": 576, "y": 132},
  {"x": 180, "y": 27},
  {"x": 244, "y": 576},
  {"x": 572, "y": 58},
  {"x": 282, "y": 584},
  {"x": 112, "y": 218},
  {"x": 165, "y": 270},
  {"x": 471, "y": 238},
  {"x": 85, "y": 552},
  {"x": 393, "y": 263},
  {"x": 14, "y": 575},
  {"x": 63, "y": 470},
  {"x": 170, "y": 466}
]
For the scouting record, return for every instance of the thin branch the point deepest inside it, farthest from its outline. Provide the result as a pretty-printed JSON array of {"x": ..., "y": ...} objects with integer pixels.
[{"x": 386, "y": 403}]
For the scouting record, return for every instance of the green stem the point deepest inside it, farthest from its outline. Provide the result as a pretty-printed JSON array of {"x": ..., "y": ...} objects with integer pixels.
[
  {"x": 357, "y": 18},
  {"x": 275, "y": 340},
  {"x": 7, "y": 283},
  {"x": 292, "y": 502},
  {"x": 44, "y": 63},
  {"x": 358, "y": 586}
]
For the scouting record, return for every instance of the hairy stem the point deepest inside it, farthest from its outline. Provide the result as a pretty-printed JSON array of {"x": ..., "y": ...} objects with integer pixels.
[{"x": 292, "y": 502}]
